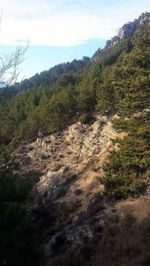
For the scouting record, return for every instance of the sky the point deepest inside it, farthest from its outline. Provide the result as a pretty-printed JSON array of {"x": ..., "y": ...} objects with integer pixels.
[{"x": 60, "y": 30}]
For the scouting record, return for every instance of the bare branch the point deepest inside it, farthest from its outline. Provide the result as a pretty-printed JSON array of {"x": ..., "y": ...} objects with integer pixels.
[{"x": 9, "y": 65}]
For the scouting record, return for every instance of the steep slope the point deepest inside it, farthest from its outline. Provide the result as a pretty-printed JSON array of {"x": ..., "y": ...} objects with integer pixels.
[
  {"x": 70, "y": 197},
  {"x": 83, "y": 141},
  {"x": 70, "y": 165}
]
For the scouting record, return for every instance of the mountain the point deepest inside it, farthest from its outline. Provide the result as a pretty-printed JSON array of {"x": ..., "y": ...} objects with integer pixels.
[{"x": 75, "y": 160}]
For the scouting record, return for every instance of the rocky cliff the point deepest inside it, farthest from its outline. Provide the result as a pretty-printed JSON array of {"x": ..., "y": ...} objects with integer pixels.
[
  {"x": 128, "y": 29},
  {"x": 69, "y": 190},
  {"x": 125, "y": 32}
]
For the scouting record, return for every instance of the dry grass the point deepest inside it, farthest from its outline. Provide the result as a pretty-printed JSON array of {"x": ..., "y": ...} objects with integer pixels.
[
  {"x": 125, "y": 240},
  {"x": 126, "y": 237}
]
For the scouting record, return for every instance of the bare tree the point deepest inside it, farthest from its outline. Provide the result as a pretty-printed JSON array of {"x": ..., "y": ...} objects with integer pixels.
[{"x": 9, "y": 65}]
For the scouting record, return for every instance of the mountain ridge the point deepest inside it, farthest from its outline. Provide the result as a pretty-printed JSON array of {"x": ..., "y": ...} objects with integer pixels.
[{"x": 126, "y": 31}]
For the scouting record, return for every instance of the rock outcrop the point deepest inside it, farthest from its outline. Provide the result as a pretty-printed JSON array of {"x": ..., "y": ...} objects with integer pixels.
[
  {"x": 126, "y": 31},
  {"x": 87, "y": 141},
  {"x": 70, "y": 166}
]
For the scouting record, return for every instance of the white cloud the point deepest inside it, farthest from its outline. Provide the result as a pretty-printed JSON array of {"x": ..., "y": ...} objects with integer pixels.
[{"x": 64, "y": 22}]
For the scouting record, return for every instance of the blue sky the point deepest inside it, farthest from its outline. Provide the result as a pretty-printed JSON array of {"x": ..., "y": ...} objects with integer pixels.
[{"x": 61, "y": 30}]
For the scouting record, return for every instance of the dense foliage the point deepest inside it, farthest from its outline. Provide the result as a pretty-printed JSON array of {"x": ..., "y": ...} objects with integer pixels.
[
  {"x": 17, "y": 241},
  {"x": 127, "y": 170}
]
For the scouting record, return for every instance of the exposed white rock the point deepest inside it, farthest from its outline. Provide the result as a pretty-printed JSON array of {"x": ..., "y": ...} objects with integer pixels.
[
  {"x": 74, "y": 148},
  {"x": 83, "y": 140},
  {"x": 96, "y": 137},
  {"x": 50, "y": 180}
]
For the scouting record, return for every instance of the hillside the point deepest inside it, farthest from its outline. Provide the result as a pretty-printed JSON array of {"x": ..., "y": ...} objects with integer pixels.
[{"x": 75, "y": 159}]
